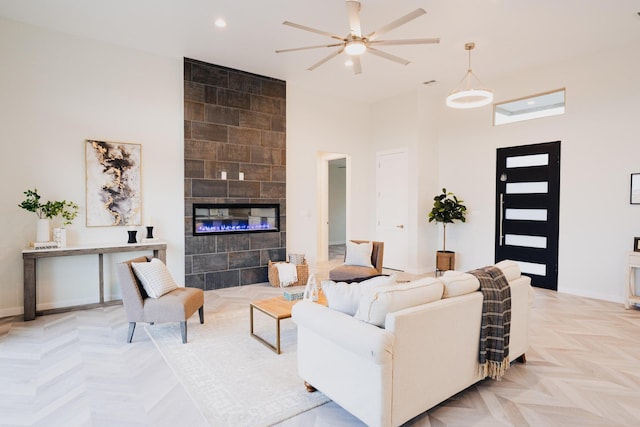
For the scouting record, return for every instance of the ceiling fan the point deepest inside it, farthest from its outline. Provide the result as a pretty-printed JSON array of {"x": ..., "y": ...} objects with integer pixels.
[{"x": 355, "y": 44}]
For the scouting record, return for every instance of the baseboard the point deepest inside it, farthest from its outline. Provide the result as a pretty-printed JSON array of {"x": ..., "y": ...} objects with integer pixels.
[
  {"x": 343, "y": 242},
  {"x": 10, "y": 312},
  {"x": 594, "y": 295}
]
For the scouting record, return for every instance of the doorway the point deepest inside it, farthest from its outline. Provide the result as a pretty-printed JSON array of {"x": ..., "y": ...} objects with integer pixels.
[
  {"x": 528, "y": 210},
  {"x": 337, "y": 207},
  {"x": 333, "y": 202}
]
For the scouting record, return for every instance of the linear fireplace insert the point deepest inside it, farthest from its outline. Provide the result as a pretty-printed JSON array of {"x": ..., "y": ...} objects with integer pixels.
[{"x": 225, "y": 218}]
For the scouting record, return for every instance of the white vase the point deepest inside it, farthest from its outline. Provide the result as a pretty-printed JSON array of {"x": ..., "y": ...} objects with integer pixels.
[
  {"x": 42, "y": 231},
  {"x": 60, "y": 236}
]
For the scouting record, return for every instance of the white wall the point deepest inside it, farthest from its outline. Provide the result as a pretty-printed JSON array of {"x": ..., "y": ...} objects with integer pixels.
[
  {"x": 58, "y": 90},
  {"x": 319, "y": 124},
  {"x": 599, "y": 151}
]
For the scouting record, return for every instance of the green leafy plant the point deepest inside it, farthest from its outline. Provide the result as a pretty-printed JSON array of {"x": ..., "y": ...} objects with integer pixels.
[
  {"x": 447, "y": 208},
  {"x": 51, "y": 209}
]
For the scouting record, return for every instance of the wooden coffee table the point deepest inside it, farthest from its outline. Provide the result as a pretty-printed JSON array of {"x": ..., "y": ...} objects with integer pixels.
[{"x": 277, "y": 308}]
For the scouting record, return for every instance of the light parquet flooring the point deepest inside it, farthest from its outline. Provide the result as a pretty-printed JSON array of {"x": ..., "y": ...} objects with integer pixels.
[{"x": 75, "y": 369}]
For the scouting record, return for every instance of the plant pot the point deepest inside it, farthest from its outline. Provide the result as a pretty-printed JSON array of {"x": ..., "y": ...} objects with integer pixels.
[
  {"x": 43, "y": 233},
  {"x": 445, "y": 260}
]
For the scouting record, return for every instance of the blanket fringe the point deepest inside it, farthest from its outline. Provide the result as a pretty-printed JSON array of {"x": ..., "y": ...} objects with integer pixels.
[{"x": 494, "y": 370}]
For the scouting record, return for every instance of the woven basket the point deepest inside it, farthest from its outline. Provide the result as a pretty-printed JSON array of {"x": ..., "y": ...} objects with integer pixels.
[{"x": 302, "y": 270}]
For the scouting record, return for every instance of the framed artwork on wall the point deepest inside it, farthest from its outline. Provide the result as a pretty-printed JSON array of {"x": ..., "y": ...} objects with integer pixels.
[
  {"x": 636, "y": 244},
  {"x": 635, "y": 189},
  {"x": 113, "y": 183}
]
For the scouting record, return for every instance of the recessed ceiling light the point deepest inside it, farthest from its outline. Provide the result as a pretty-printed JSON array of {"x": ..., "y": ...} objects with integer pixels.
[
  {"x": 220, "y": 23},
  {"x": 348, "y": 63}
]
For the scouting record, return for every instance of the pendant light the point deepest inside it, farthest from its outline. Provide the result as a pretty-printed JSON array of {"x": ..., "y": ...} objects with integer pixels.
[{"x": 465, "y": 96}]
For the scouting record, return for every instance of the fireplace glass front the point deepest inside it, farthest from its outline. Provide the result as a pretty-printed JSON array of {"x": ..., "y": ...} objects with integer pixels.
[{"x": 235, "y": 218}]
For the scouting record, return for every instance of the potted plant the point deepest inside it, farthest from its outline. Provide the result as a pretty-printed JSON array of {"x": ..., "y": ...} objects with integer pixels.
[
  {"x": 447, "y": 208},
  {"x": 47, "y": 211}
]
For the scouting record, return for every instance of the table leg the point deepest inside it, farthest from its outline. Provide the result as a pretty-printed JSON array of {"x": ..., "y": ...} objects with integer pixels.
[
  {"x": 274, "y": 348},
  {"x": 101, "y": 273},
  {"x": 29, "y": 271}
]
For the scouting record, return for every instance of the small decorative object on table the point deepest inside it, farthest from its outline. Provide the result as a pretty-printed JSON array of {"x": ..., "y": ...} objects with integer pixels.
[
  {"x": 636, "y": 244},
  {"x": 132, "y": 236},
  {"x": 293, "y": 294},
  {"x": 48, "y": 211}
]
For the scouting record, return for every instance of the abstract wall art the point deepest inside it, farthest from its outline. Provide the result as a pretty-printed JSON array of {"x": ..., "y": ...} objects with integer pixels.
[{"x": 113, "y": 183}]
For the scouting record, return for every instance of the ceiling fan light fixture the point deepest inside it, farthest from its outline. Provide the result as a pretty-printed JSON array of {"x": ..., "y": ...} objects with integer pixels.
[
  {"x": 355, "y": 47},
  {"x": 466, "y": 96}
]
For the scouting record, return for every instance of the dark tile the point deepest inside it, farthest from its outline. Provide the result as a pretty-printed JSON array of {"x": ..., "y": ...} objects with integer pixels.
[
  {"x": 244, "y": 259},
  {"x": 232, "y": 242},
  {"x": 278, "y": 174},
  {"x": 272, "y": 255},
  {"x": 187, "y": 129},
  {"x": 234, "y": 153},
  {"x": 253, "y": 172},
  {"x": 221, "y": 115},
  {"x": 212, "y": 169},
  {"x": 278, "y": 124},
  {"x": 235, "y": 99},
  {"x": 265, "y": 240},
  {"x": 210, "y": 262},
  {"x": 211, "y": 94},
  {"x": 193, "y": 111},
  {"x": 250, "y": 276},
  {"x": 274, "y": 139},
  {"x": 244, "y": 189},
  {"x": 244, "y": 136},
  {"x": 186, "y": 70},
  {"x": 200, "y": 150},
  {"x": 209, "y": 188},
  {"x": 222, "y": 279},
  {"x": 210, "y": 75},
  {"x": 254, "y": 120},
  {"x": 244, "y": 82},
  {"x": 193, "y": 168},
  {"x": 273, "y": 189},
  {"x": 194, "y": 281},
  {"x": 266, "y": 155},
  {"x": 208, "y": 131},
  {"x": 193, "y": 92},
  {"x": 274, "y": 88},
  {"x": 187, "y": 188},
  {"x": 200, "y": 245},
  {"x": 265, "y": 104},
  {"x": 187, "y": 265}
]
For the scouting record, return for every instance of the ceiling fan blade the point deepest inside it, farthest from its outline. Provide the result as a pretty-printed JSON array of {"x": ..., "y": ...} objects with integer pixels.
[
  {"x": 386, "y": 55},
  {"x": 353, "y": 10},
  {"x": 308, "y": 47},
  {"x": 395, "y": 24},
  {"x": 357, "y": 66},
  {"x": 406, "y": 41},
  {"x": 325, "y": 59},
  {"x": 313, "y": 30}
]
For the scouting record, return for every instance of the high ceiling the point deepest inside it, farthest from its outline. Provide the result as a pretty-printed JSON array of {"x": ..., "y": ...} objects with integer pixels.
[{"x": 509, "y": 34}]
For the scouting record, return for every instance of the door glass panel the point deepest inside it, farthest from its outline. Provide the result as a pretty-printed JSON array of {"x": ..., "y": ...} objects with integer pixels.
[
  {"x": 525, "y": 241},
  {"x": 527, "y": 187},
  {"x": 526, "y": 161},
  {"x": 532, "y": 268},
  {"x": 526, "y": 214}
]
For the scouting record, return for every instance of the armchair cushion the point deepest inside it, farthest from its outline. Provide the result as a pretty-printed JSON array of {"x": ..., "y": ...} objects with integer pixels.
[{"x": 155, "y": 277}]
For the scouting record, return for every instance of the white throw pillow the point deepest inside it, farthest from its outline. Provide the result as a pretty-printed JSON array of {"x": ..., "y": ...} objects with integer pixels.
[
  {"x": 458, "y": 283},
  {"x": 359, "y": 254},
  {"x": 375, "y": 304},
  {"x": 345, "y": 297},
  {"x": 510, "y": 269},
  {"x": 155, "y": 277}
]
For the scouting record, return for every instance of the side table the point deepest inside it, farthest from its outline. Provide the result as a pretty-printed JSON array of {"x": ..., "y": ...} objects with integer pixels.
[{"x": 633, "y": 263}]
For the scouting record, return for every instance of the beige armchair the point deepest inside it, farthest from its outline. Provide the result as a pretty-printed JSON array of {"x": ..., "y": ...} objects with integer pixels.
[
  {"x": 175, "y": 306},
  {"x": 344, "y": 272}
]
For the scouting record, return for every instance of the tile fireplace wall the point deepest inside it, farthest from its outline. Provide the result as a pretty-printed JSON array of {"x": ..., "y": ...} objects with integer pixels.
[{"x": 234, "y": 122}]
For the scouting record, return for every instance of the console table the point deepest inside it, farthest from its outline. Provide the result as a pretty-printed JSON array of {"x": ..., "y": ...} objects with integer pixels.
[
  {"x": 30, "y": 256},
  {"x": 633, "y": 262}
]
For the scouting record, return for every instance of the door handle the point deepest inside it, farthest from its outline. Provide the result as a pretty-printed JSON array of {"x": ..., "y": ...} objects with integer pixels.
[{"x": 400, "y": 226}]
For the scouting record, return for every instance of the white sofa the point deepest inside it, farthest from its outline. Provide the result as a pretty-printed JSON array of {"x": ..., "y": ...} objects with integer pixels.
[{"x": 423, "y": 355}]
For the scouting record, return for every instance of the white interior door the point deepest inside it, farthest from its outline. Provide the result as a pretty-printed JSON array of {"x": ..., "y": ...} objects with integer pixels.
[{"x": 392, "y": 181}]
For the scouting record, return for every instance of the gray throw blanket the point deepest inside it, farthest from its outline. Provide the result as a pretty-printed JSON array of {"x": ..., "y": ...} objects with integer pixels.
[{"x": 496, "y": 322}]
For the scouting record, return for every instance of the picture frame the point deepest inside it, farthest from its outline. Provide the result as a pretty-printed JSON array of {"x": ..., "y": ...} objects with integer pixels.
[
  {"x": 113, "y": 183},
  {"x": 634, "y": 194},
  {"x": 636, "y": 244}
]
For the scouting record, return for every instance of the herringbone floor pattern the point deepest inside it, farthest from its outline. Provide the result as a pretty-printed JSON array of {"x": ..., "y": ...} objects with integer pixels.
[{"x": 75, "y": 369}]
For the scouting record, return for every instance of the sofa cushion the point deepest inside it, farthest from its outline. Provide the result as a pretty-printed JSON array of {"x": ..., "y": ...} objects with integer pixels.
[
  {"x": 510, "y": 269},
  {"x": 458, "y": 283},
  {"x": 377, "y": 302},
  {"x": 347, "y": 273},
  {"x": 155, "y": 277},
  {"x": 345, "y": 297},
  {"x": 358, "y": 254}
]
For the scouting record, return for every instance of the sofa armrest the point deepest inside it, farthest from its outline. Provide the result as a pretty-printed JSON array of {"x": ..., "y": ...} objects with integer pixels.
[{"x": 362, "y": 339}]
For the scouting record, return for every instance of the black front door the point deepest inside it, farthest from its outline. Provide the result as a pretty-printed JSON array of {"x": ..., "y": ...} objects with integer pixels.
[{"x": 527, "y": 210}]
